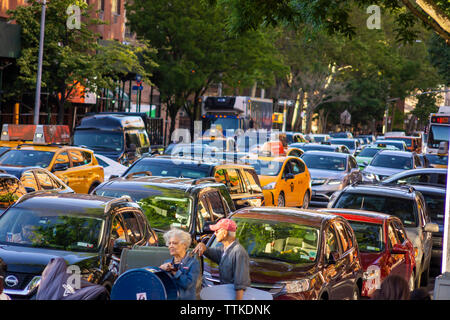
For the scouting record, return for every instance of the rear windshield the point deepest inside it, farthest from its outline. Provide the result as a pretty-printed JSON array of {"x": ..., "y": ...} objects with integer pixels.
[
  {"x": 436, "y": 207},
  {"x": 348, "y": 143},
  {"x": 392, "y": 161},
  {"x": 27, "y": 158},
  {"x": 368, "y": 152},
  {"x": 170, "y": 170},
  {"x": 399, "y": 207},
  {"x": 324, "y": 162}
]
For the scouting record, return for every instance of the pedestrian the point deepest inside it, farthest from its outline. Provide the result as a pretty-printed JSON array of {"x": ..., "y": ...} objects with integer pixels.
[
  {"x": 419, "y": 294},
  {"x": 232, "y": 258},
  {"x": 184, "y": 267},
  {"x": 393, "y": 287},
  {"x": 3, "y": 296}
]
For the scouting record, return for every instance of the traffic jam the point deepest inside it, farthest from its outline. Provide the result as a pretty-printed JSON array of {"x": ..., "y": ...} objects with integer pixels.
[{"x": 242, "y": 211}]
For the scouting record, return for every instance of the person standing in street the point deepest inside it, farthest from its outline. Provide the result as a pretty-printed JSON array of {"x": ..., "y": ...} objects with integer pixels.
[{"x": 232, "y": 258}]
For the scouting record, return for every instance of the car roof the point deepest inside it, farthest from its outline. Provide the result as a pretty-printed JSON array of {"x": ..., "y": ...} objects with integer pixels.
[
  {"x": 18, "y": 171},
  {"x": 429, "y": 189},
  {"x": 396, "y": 153},
  {"x": 327, "y": 153},
  {"x": 82, "y": 204},
  {"x": 359, "y": 215},
  {"x": 386, "y": 190},
  {"x": 292, "y": 215}
]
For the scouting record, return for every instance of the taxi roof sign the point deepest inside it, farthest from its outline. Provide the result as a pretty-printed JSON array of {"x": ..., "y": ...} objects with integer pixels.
[{"x": 45, "y": 134}]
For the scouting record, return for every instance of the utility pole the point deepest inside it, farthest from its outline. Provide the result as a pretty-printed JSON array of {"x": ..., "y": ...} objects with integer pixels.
[{"x": 37, "y": 103}]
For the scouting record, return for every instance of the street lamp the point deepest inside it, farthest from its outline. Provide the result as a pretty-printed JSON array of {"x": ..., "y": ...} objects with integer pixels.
[{"x": 37, "y": 103}]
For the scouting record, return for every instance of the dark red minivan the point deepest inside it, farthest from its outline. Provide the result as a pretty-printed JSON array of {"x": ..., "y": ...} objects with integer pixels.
[
  {"x": 296, "y": 254},
  {"x": 383, "y": 245}
]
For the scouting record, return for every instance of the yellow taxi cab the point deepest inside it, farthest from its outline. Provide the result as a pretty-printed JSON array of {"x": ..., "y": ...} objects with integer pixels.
[
  {"x": 76, "y": 167},
  {"x": 285, "y": 181}
]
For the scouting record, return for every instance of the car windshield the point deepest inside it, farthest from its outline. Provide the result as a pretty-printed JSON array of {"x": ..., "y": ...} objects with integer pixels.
[
  {"x": 351, "y": 144},
  {"x": 53, "y": 230},
  {"x": 324, "y": 162},
  {"x": 435, "y": 206},
  {"x": 392, "y": 161},
  {"x": 368, "y": 152},
  {"x": 406, "y": 140},
  {"x": 368, "y": 235},
  {"x": 315, "y": 148},
  {"x": 436, "y": 159},
  {"x": 10, "y": 191},
  {"x": 438, "y": 134},
  {"x": 170, "y": 170},
  {"x": 384, "y": 144},
  {"x": 283, "y": 241},
  {"x": 163, "y": 207},
  {"x": 399, "y": 207},
  {"x": 27, "y": 158},
  {"x": 99, "y": 140},
  {"x": 263, "y": 167}
]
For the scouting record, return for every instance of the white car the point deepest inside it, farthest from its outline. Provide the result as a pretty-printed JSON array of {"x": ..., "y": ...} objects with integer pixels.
[{"x": 110, "y": 166}]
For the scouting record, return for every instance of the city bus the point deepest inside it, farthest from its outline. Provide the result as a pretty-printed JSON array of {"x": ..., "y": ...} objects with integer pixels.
[
  {"x": 229, "y": 113},
  {"x": 439, "y": 129}
]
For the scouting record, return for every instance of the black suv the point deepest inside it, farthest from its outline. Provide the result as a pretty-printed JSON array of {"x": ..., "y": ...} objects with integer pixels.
[
  {"x": 241, "y": 180},
  {"x": 87, "y": 231},
  {"x": 405, "y": 203},
  {"x": 188, "y": 204}
]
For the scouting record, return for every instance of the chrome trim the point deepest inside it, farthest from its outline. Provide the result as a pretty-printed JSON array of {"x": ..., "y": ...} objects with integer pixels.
[{"x": 32, "y": 285}]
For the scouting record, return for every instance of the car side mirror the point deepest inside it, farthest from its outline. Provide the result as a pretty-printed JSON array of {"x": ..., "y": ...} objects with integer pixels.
[
  {"x": 60, "y": 167},
  {"x": 119, "y": 244},
  {"x": 113, "y": 176},
  {"x": 399, "y": 249},
  {"x": 431, "y": 227},
  {"x": 332, "y": 258},
  {"x": 289, "y": 176},
  {"x": 29, "y": 189}
]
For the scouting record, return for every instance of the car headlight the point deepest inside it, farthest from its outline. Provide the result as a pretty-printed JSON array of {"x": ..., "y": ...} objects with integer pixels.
[
  {"x": 34, "y": 283},
  {"x": 269, "y": 186},
  {"x": 297, "y": 286},
  {"x": 318, "y": 181},
  {"x": 334, "y": 181}
]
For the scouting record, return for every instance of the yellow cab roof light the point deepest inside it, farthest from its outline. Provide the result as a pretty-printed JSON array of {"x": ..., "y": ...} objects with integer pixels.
[{"x": 39, "y": 134}]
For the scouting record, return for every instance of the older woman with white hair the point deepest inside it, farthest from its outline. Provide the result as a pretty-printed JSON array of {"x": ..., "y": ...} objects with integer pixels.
[{"x": 184, "y": 268}]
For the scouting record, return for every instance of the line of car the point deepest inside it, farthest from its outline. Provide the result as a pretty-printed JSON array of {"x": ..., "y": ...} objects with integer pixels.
[{"x": 308, "y": 254}]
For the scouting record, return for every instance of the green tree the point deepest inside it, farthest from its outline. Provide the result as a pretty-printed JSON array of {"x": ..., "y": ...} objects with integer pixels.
[
  {"x": 195, "y": 52},
  {"x": 71, "y": 56}
]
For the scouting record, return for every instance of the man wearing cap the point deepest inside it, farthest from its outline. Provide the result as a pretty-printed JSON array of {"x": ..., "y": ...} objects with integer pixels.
[{"x": 232, "y": 258}]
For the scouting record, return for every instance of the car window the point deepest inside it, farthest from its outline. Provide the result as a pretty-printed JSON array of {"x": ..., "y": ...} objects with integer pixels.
[
  {"x": 203, "y": 213},
  {"x": 417, "y": 178},
  {"x": 216, "y": 205},
  {"x": 252, "y": 180},
  {"x": 331, "y": 244},
  {"x": 436, "y": 207},
  {"x": 349, "y": 233},
  {"x": 134, "y": 231},
  {"x": 401, "y": 234},
  {"x": 423, "y": 210},
  {"x": 342, "y": 236},
  {"x": 297, "y": 167},
  {"x": 77, "y": 158},
  {"x": 45, "y": 181},
  {"x": 392, "y": 236},
  {"x": 442, "y": 179},
  {"x": 28, "y": 180},
  {"x": 287, "y": 169},
  {"x": 62, "y": 157},
  {"x": 220, "y": 176},
  {"x": 234, "y": 181},
  {"x": 117, "y": 230}
]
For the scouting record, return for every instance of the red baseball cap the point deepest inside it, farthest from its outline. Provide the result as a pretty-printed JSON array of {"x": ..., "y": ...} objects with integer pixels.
[{"x": 226, "y": 224}]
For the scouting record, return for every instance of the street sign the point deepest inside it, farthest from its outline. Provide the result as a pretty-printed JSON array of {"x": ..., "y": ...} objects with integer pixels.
[
  {"x": 345, "y": 117},
  {"x": 287, "y": 102},
  {"x": 137, "y": 88}
]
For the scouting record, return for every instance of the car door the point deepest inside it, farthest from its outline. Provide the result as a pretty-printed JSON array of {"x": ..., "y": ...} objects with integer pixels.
[
  {"x": 354, "y": 173},
  {"x": 287, "y": 184},
  {"x": 61, "y": 168},
  {"x": 333, "y": 271},
  {"x": 301, "y": 181},
  {"x": 403, "y": 238},
  {"x": 426, "y": 236}
]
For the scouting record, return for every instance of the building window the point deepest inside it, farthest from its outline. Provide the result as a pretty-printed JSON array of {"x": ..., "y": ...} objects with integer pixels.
[
  {"x": 101, "y": 5},
  {"x": 115, "y": 7}
]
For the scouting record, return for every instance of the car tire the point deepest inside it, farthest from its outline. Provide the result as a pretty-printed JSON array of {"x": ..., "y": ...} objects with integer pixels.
[
  {"x": 281, "y": 202},
  {"x": 305, "y": 200}
]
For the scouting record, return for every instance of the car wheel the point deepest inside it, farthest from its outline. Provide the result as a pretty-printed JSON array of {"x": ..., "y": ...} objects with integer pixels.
[
  {"x": 281, "y": 202},
  {"x": 305, "y": 203}
]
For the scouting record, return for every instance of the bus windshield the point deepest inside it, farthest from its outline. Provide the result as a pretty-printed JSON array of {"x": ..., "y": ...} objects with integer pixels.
[{"x": 437, "y": 135}]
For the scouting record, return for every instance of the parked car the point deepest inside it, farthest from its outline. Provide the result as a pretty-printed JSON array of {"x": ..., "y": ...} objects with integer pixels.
[
  {"x": 76, "y": 167},
  {"x": 285, "y": 181},
  {"x": 352, "y": 144},
  {"x": 388, "y": 162},
  {"x": 330, "y": 171},
  {"x": 188, "y": 204},
  {"x": 403, "y": 202},
  {"x": 296, "y": 254},
  {"x": 110, "y": 167},
  {"x": 242, "y": 181},
  {"x": 316, "y": 147},
  {"x": 367, "y": 153},
  {"x": 383, "y": 246},
  {"x": 87, "y": 231},
  {"x": 429, "y": 176},
  {"x": 11, "y": 189},
  {"x": 38, "y": 179}
]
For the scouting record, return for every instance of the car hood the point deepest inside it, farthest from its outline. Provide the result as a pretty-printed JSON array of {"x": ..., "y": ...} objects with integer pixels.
[
  {"x": 265, "y": 180},
  {"x": 34, "y": 260},
  {"x": 326, "y": 174},
  {"x": 381, "y": 170},
  {"x": 273, "y": 271}
]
